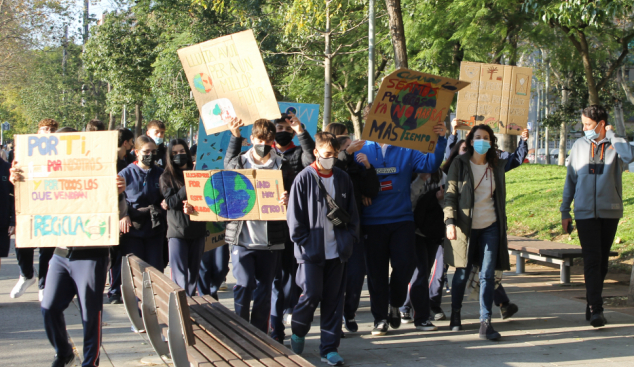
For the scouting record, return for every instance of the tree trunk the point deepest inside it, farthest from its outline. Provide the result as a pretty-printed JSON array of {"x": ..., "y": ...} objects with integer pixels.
[
  {"x": 563, "y": 129},
  {"x": 620, "y": 77},
  {"x": 327, "y": 72},
  {"x": 397, "y": 32},
  {"x": 506, "y": 142},
  {"x": 139, "y": 120},
  {"x": 619, "y": 121},
  {"x": 583, "y": 49},
  {"x": 111, "y": 116},
  {"x": 355, "y": 115},
  {"x": 547, "y": 108}
]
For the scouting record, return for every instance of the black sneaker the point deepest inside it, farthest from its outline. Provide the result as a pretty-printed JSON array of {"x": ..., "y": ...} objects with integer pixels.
[
  {"x": 115, "y": 300},
  {"x": 406, "y": 318},
  {"x": 380, "y": 328},
  {"x": 487, "y": 331},
  {"x": 455, "y": 324},
  {"x": 437, "y": 314},
  {"x": 598, "y": 320},
  {"x": 426, "y": 326},
  {"x": 350, "y": 324},
  {"x": 63, "y": 362},
  {"x": 508, "y": 310},
  {"x": 394, "y": 317}
]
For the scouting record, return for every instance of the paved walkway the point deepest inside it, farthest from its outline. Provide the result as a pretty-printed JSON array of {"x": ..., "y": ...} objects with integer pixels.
[{"x": 549, "y": 330}]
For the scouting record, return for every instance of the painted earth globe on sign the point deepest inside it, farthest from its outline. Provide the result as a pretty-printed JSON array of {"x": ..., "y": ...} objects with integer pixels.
[
  {"x": 95, "y": 227},
  {"x": 202, "y": 83},
  {"x": 229, "y": 194},
  {"x": 412, "y": 107}
]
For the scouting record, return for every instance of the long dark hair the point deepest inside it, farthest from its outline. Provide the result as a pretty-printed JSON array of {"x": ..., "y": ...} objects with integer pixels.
[
  {"x": 455, "y": 151},
  {"x": 492, "y": 154},
  {"x": 173, "y": 174}
]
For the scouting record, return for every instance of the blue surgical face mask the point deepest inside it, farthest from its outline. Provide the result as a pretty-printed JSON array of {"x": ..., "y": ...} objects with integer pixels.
[
  {"x": 158, "y": 140},
  {"x": 592, "y": 134},
  {"x": 481, "y": 146}
]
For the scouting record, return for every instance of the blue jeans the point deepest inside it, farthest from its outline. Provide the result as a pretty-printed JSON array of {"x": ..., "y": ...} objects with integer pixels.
[{"x": 486, "y": 241}]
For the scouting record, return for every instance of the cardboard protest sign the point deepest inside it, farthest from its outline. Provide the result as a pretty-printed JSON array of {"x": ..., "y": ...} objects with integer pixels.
[
  {"x": 215, "y": 236},
  {"x": 213, "y": 147},
  {"x": 228, "y": 79},
  {"x": 407, "y": 107},
  {"x": 69, "y": 196},
  {"x": 499, "y": 96},
  {"x": 226, "y": 195}
]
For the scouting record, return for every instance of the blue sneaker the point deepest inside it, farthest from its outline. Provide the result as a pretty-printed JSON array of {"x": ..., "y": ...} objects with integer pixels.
[
  {"x": 297, "y": 343},
  {"x": 333, "y": 359}
]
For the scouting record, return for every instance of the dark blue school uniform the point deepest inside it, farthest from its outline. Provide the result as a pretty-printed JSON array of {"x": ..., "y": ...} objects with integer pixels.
[
  {"x": 7, "y": 208},
  {"x": 322, "y": 280},
  {"x": 144, "y": 198}
]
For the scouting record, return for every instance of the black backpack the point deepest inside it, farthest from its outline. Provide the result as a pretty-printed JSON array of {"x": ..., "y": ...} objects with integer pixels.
[{"x": 429, "y": 217}]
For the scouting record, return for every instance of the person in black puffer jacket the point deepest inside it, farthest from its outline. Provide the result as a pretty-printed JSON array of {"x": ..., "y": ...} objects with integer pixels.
[
  {"x": 256, "y": 245},
  {"x": 366, "y": 187},
  {"x": 186, "y": 238},
  {"x": 287, "y": 127}
]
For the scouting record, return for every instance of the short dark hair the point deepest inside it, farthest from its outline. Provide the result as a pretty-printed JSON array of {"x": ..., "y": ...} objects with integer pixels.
[
  {"x": 124, "y": 135},
  {"x": 596, "y": 113},
  {"x": 142, "y": 140},
  {"x": 66, "y": 129},
  {"x": 95, "y": 125},
  {"x": 282, "y": 120},
  {"x": 263, "y": 129},
  {"x": 156, "y": 124},
  {"x": 325, "y": 138},
  {"x": 336, "y": 128}
]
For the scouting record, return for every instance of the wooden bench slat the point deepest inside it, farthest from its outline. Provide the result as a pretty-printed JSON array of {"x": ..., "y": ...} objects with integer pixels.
[
  {"x": 258, "y": 333},
  {"x": 197, "y": 359},
  {"x": 218, "y": 349},
  {"x": 244, "y": 338},
  {"x": 227, "y": 342}
]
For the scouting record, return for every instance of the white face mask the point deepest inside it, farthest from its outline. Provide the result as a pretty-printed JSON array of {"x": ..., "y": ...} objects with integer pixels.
[{"x": 326, "y": 163}]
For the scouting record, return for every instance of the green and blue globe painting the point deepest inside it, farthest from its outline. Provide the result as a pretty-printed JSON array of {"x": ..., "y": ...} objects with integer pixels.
[{"x": 229, "y": 194}]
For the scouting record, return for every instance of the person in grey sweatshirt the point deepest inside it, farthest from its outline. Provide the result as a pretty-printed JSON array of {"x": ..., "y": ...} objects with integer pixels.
[{"x": 593, "y": 181}]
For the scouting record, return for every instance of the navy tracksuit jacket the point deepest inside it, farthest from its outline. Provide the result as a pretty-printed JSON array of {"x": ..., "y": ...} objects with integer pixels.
[{"x": 322, "y": 281}]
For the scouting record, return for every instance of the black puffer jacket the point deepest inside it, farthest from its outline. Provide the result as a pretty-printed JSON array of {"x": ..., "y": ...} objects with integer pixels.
[
  {"x": 276, "y": 229},
  {"x": 179, "y": 224},
  {"x": 364, "y": 181}
]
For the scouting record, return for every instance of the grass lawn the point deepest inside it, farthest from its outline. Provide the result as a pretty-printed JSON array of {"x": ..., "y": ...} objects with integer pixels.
[{"x": 533, "y": 197}]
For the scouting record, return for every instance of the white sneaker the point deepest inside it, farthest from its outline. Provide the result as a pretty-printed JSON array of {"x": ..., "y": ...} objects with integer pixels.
[
  {"x": 288, "y": 318},
  {"x": 40, "y": 296},
  {"x": 21, "y": 286},
  {"x": 223, "y": 286}
]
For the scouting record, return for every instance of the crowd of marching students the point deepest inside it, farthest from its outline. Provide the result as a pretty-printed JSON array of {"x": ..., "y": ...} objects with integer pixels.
[{"x": 355, "y": 209}]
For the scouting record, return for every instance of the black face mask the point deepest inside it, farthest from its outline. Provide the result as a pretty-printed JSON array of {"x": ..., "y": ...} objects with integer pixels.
[
  {"x": 262, "y": 149},
  {"x": 148, "y": 160},
  {"x": 283, "y": 138},
  {"x": 180, "y": 159}
]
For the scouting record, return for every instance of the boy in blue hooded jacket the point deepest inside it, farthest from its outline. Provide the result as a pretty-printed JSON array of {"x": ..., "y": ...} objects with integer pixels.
[
  {"x": 388, "y": 225},
  {"x": 321, "y": 247}
]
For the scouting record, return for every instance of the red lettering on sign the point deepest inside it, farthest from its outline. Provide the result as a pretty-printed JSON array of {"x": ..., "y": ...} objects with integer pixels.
[{"x": 194, "y": 184}]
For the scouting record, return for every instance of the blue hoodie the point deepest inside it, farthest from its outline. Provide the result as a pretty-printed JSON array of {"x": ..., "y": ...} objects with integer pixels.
[{"x": 393, "y": 204}]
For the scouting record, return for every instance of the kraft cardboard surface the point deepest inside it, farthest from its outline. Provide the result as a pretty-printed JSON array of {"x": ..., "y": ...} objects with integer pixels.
[
  {"x": 499, "y": 96},
  {"x": 227, "y": 195},
  {"x": 69, "y": 196},
  {"x": 228, "y": 79},
  {"x": 407, "y": 107},
  {"x": 215, "y": 236}
]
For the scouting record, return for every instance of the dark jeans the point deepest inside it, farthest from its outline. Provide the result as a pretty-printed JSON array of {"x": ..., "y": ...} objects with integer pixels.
[
  {"x": 115, "y": 272},
  {"x": 185, "y": 256},
  {"x": 214, "y": 268},
  {"x": 356, "y": 271},
  {"x": 437, "y": 279},
  {"x": 596, "y": 237},
  {"x": 486, "y": 242},
  {"x": 393, "y": 242},
  {"x": 418, "y": 295},
  {"x": 149, "y": 250},
  {"x": 25, "y": 262}
]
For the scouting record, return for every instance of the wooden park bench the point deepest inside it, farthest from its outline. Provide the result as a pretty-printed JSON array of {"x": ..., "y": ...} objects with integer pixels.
[
  {"x": 200, "y": 331},
  {"x": 545, "y": 251}
]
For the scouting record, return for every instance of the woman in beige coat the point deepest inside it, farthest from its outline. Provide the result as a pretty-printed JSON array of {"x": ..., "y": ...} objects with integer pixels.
[{"x": 475, "y": 214}]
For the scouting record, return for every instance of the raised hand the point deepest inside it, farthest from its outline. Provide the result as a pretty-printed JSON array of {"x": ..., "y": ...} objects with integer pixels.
[
  {"x": 296, "y": 125},
  {"x": 234, "y": 126}
]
